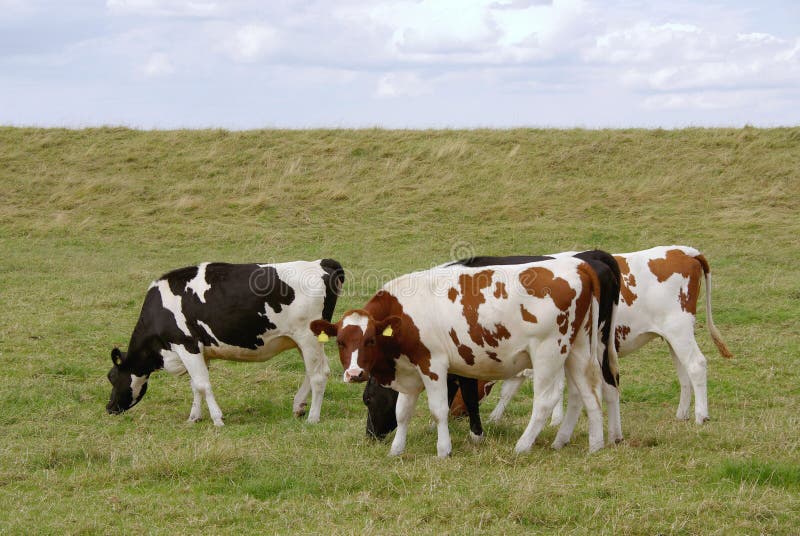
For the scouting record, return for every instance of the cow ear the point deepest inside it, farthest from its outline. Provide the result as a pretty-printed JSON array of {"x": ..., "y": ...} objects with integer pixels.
[
  {"x": 389, "y": 326},
  {"x": 323, "y": 329},
  {"x": 116, "y": 356}
]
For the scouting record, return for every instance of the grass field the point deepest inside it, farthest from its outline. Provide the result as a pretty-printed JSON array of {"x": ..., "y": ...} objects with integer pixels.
[{"x": 88, "y": 218}]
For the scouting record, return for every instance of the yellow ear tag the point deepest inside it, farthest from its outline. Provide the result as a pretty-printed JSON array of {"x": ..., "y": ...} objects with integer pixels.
[
  {"x": 388, "y": 331},
  {"x": 323, "y": 337}
]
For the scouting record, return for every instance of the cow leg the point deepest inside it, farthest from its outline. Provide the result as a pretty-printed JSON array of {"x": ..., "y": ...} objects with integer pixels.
[
  {"x": 507, "y": 392},
  {"x": 611, "y": 397},
  {"x": 404, "y": 409},
  {"x": 317, "y": 370},
  {"x": 469, "y": 392},
  {"x": 299, "y": 403},
  {"x": 440, "y": 410},
  {"x": 547, "y": 361},
  {"x": 694, "y": 363},
  {"x": 453, "y": 385},
  {"x": 685, "y": 403},
  {"x": 201, "y": 384},
  {"x": 574, "y": 407},
  {"x": 558, "y": 411},
  {"x": 585, "y": 371},
  {"x": 197, "y": 405}
]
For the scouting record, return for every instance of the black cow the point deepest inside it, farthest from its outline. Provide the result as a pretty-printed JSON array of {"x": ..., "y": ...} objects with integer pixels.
[{"x": 238, "y": 312}]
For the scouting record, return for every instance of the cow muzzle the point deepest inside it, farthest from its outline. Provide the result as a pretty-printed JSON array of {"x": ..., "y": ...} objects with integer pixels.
[{"x": 352, "y": 375}]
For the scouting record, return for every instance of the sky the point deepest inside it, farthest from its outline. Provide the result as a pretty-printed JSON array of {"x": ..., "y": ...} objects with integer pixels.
[{"x": 243, "y": 64}]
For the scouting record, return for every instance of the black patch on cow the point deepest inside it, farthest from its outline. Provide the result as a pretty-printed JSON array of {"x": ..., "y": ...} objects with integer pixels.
[
  {"x": 235, "y": 307},
  {"x": 480, "y": 262},
  {"x": 333, "y": 279}
]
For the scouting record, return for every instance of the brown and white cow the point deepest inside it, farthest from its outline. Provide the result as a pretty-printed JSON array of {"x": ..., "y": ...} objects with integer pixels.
[
  {"x": 487, "y": 323},
  {"x": 658, "y": 298}
]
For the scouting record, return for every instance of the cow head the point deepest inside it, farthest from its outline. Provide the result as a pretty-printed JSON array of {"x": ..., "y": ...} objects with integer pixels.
[
  {"x": 380, "y": 402},
  {"x": 127, "y": 389},
  {"x": 362, "y": 341}
]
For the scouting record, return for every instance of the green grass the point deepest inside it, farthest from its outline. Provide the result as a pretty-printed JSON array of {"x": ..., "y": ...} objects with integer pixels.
[{"x": 88, "y": 218}]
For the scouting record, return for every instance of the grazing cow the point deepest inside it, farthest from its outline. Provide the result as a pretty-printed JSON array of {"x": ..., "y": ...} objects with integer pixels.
[
  {"x": 381, "y": 405},
  {"x": 660, "y": 288},
  {"x": 489, "y": 323},
  {"x": 238, "y": 312}
]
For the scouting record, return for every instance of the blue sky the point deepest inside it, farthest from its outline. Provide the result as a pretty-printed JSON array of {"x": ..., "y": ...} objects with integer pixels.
[{"x": 399, "y": 64}]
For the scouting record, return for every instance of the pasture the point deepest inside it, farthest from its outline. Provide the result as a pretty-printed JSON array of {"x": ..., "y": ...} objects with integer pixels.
[{"x": 88, "y": 218}]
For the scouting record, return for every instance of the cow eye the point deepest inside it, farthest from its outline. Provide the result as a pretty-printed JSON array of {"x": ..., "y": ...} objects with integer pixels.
[
  {"x": 370, "y": 342},
  {"x": 340, "y": 344}
]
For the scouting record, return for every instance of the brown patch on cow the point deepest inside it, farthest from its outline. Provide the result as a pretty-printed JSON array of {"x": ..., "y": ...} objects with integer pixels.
[
  {"x": 472, "y": 297},
  {"x": 493, "y": 356},
  {"x": 564, "y": 349},
  {"x": 527, "y": 316},
  {"x": 452, "y": 294},
  {"x": 463, "y": 350},
  {"x": 590, "y": 287},
  {"x": 500, "y": 290},
  {"x": 563, "y": 322},
  {"x": 541, "y": 282},
  {"x": 678, "y": 262},
  {"x": 628, "y": 281},
  {"x": 406, "y": 341},
  {"x": 621, "y": 333}
]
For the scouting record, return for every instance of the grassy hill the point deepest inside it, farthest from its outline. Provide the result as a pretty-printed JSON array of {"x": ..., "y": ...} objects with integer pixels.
[{"x": 88, "y": 218}]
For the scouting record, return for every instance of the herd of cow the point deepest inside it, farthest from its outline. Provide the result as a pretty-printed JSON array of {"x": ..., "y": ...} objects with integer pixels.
[{"x": 452, "y": 330}]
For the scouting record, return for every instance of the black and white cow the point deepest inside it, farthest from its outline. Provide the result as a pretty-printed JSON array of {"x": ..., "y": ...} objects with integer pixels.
[{"x": 237, "y": 312}]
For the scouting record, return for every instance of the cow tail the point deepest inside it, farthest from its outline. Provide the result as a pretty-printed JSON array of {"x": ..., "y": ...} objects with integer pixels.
[
  {"x": 715, "y": 334},
  {"x": 334, "y": 279}
]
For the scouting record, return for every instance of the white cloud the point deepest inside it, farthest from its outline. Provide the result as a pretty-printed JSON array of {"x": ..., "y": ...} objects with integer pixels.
[
  {"x": 159, "y": 64},
  {"x": 393, "y": 85},
  {"x": 252, "y": 42}
]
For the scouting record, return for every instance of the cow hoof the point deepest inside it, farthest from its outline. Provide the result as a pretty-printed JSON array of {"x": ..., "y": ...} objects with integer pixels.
[
  {"x": 619, "y": 440},
  {"x": 594, "y": 448},
  {"x": 558, "y": 444},
  {"x": 522, "y": 448},
  {"x": 193, "y": 419},
  {"x": 313, "y": 420},
  {"x": 219, "y": 423},
  {"x": 701, "y": 420},
  {"x": 682, "y": 415},
  {"x": 300, "y": 410},
  {"x": 394, "y": 454},
  {"x": 476, "y": 438},
  {"x": 494, "y": 418}
]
